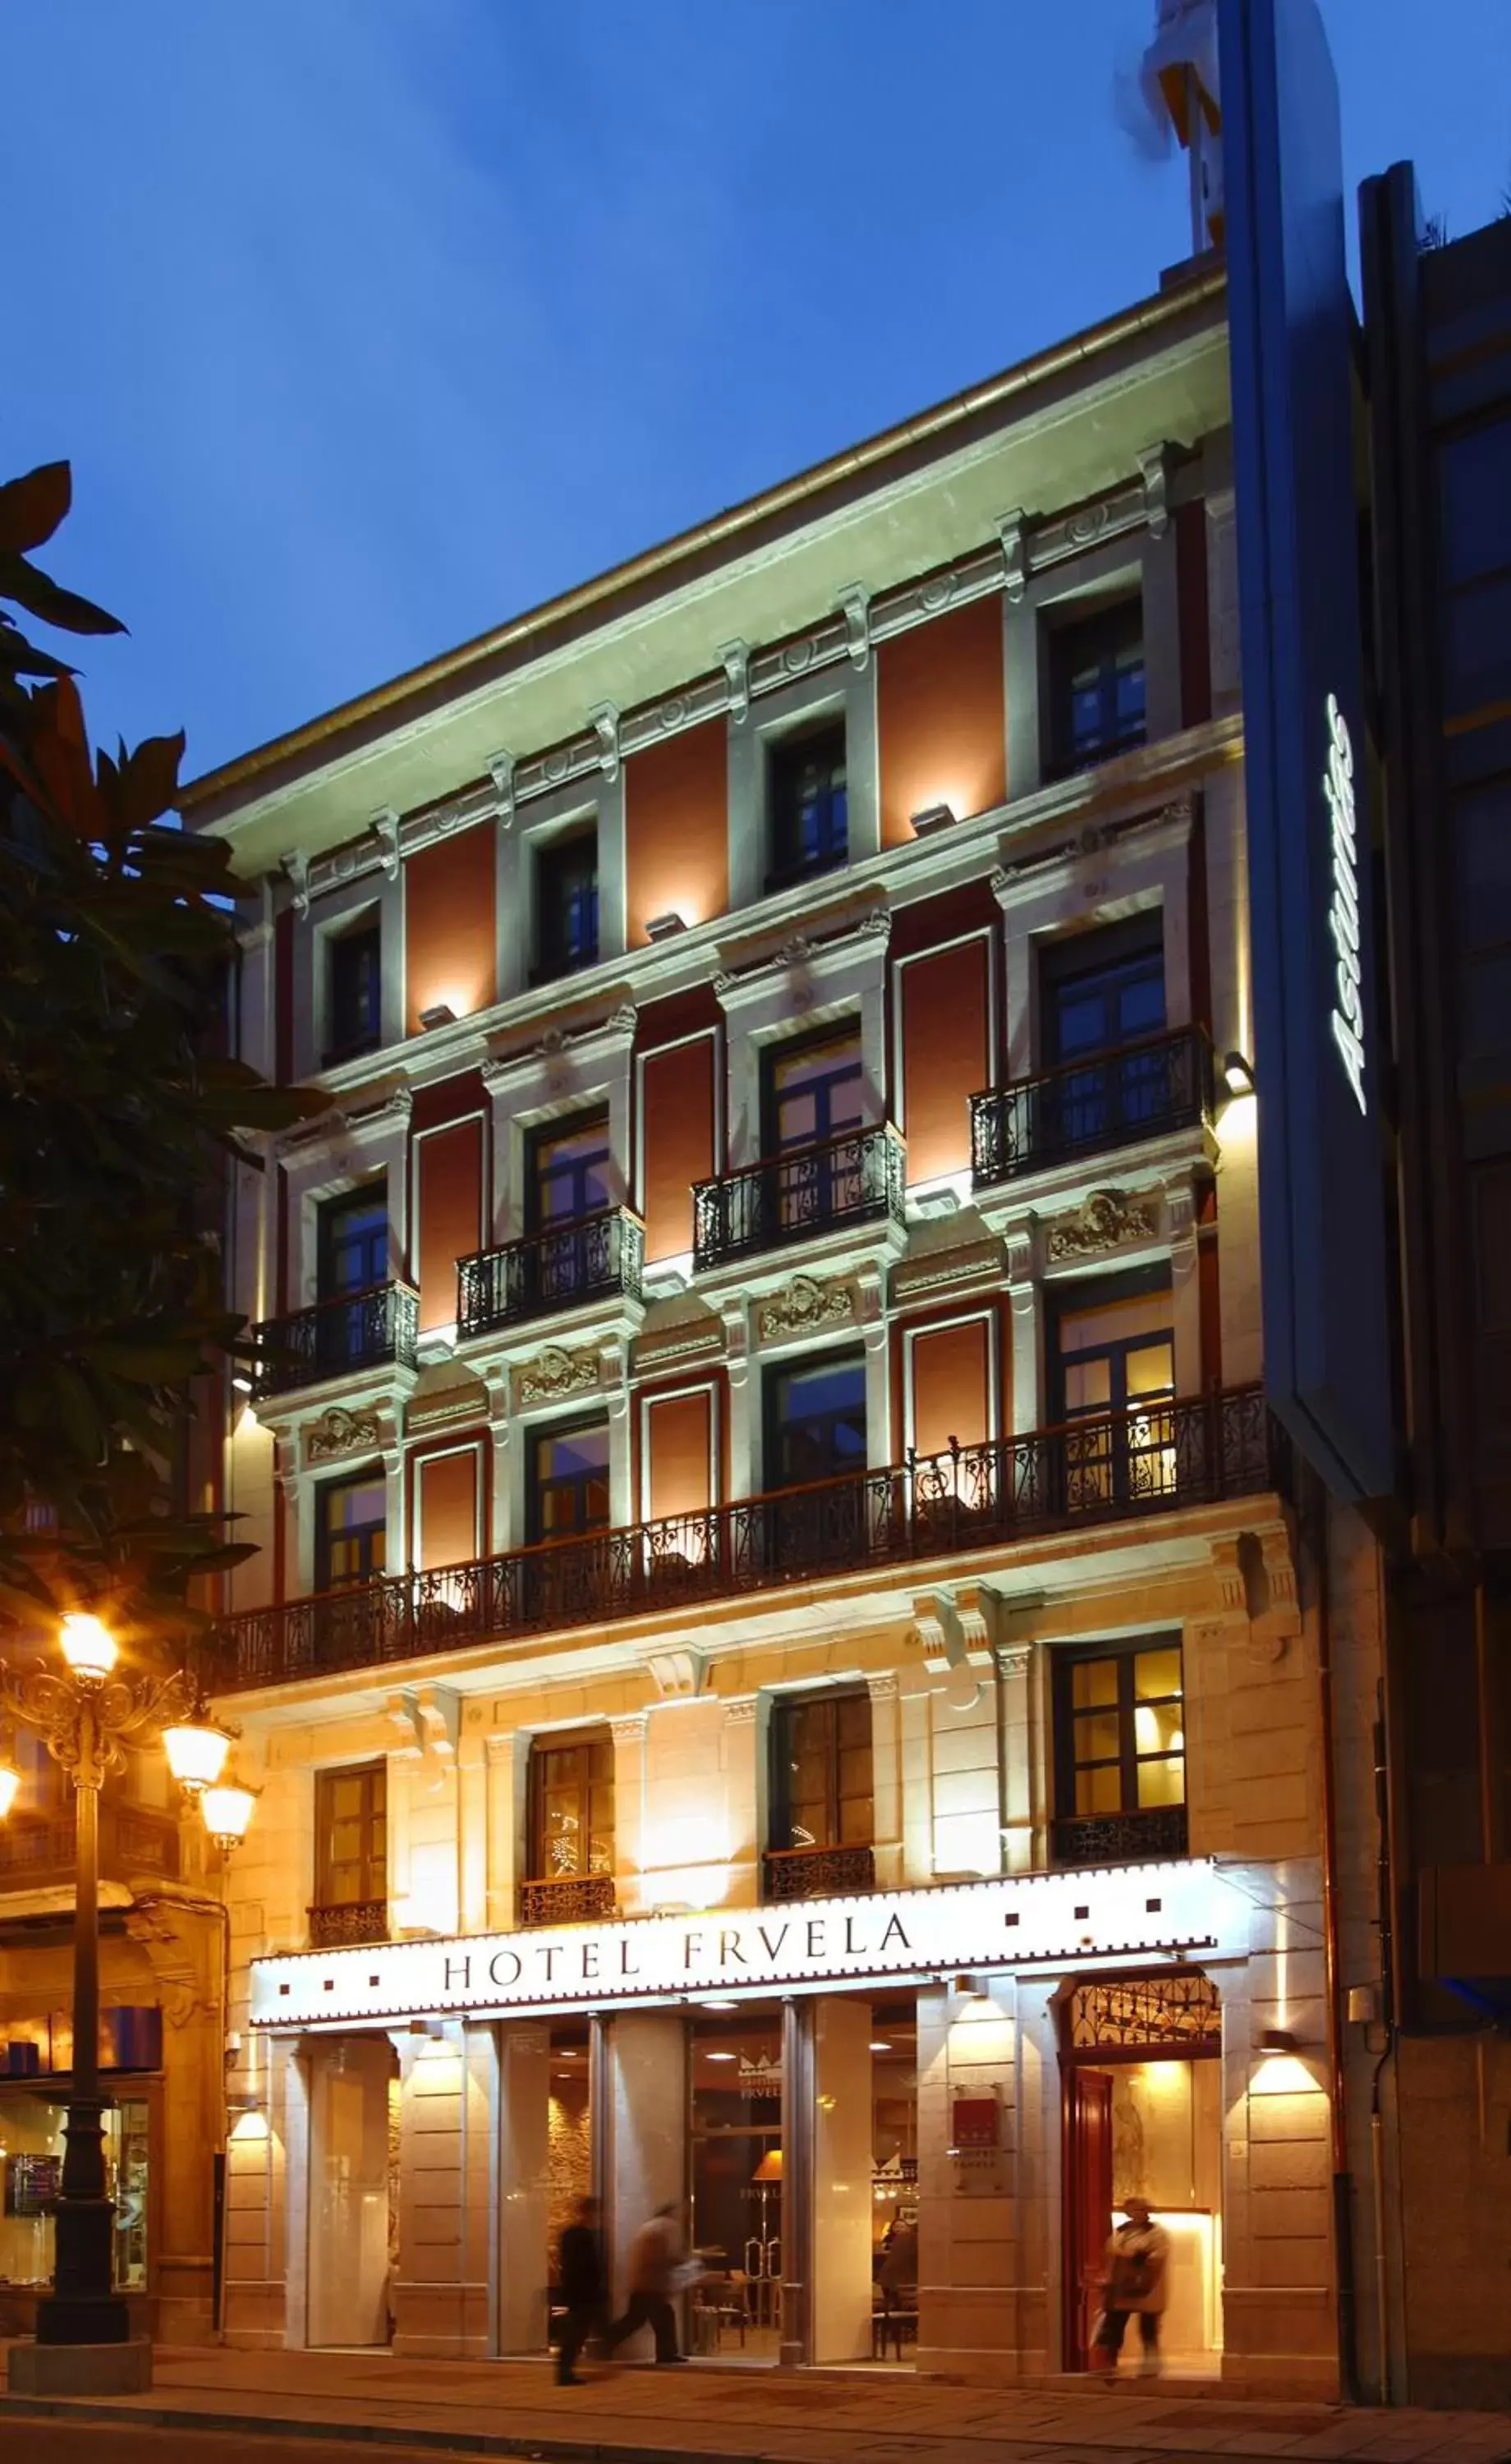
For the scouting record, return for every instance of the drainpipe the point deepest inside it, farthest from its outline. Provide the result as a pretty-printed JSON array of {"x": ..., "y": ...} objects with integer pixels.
[{"x": 1342, "y": 2183}]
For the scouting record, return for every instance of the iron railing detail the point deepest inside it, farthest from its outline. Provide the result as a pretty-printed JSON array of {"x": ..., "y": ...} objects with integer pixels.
[
  {"x": 133, "y": 1840},
  {"x": 1111, "y": 1099},
  {"x": 1152, "y": 1459},
  {"x": 335, "y": 1928},
  {"x": 336, "y": 1337},
  {"x": 567, "y": 1899},
  {"x": 596, "y": 1256},
  {"x": 857, "y": 1178},
  {"x": 1120, "y": 1839},
  {"x": 817, "y": 1873}
]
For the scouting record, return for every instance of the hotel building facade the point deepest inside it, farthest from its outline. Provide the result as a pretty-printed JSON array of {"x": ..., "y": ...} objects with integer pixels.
[{"x": 787, "y": 1664}]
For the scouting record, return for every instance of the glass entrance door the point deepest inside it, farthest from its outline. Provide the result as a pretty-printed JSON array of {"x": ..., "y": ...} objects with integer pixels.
[
  {"x": 349, "y": 2192},
  {"x": 735, "y": 2072}
]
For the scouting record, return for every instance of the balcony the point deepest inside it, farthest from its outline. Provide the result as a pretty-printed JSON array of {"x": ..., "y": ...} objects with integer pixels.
[
  {"x": 337, "y": 1929},
  {"x": 1091, "y": 1106},
  {"x": 37, "y": 1850},
  {"x": 1120, "y": 1467},
  {"x": 857, "y": 1178},
  {"x": 1153, "y": 1831},
  {"x": 337, "y": 1338},
  {"x": 567, "y": 1899},
  {"x": 817, "y": 1873},
  {"x": 599, "y": 1257}
]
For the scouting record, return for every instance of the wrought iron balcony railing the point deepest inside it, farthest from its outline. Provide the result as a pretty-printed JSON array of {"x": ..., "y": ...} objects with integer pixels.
[
  {"x": 1119, "y": 1839},
  {"x": 133, "y": 1840},
  {"x": 1111, "y": 1099},
  {"x": 594, "y": 1258},
  {"x": 817, "y": 1873},
  {"x": 335, "y": 1928},
  {"x": 333, "y": 1338},
  {"x": 567, "y": 1899},
  {"x": 1096, "y": 1471},
  {"x": 857, "y": 1178}
]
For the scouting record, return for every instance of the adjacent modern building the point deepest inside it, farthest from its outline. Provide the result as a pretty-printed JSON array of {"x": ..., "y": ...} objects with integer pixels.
[{"x": 788, "y": 1656}]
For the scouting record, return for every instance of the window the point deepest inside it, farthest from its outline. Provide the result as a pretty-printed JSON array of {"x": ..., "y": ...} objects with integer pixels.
[
  {"x": 566, "y": 905},
  {"x": 807, "y": 799},
  {"x": 813, "y": 1090},
  {"x": 351, "y": 1530},
  {"x": 1096, "y": 686},
  {"x": 1103, "y": 990},
  {"x": 820, "y": 1770},
  {"x": 1120, "y": 1730},
  {"x": 569, "y": 1482},
  {"x": 1112, "y": 1375},
  {"x": 816, "y": 1428},
  {"x": 351, "y": 1837},
  {"x": 353, "y": 1251},
  {"x": 352, "y": 992},
  {"x": 572, "y": 1806},
  {"x": 568, "y": 1171}
]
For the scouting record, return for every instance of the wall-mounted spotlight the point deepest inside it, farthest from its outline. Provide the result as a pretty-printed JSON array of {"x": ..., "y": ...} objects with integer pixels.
[
  {"x": 1238, "y": 1074},
  {"x": 932, "y": 816},
  {"x": 663, "y": 928},
  {"x": 240, "y": 1381},
  {"x": 439, "y": 1014}
]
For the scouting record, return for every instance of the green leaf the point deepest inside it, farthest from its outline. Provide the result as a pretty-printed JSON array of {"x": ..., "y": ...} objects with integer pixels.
[{"x": 32, "y": 508}]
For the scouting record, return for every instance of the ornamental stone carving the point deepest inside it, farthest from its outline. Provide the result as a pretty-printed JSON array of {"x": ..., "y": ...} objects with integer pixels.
[
  {"x": 1107, "y": 1221},
  {"x": 803, "y": 1306},
  {"x": 554, "y": 1373},
  {"x": 341, "y": 1433},
  {"x": 677, "y": 1675}
]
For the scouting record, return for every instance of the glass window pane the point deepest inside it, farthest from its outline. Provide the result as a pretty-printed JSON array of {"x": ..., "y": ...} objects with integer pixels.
[
  {"x": 1156, "y": 1673},
  {"x": 1150, "y": 1370},
  {"x": 1088, "y": 1385},
  {"x": 1098, "y": 1736},
  {"x": 1476, "y": 501},
  {"x": 1163, "y": 1783},
  {"x": 1158, "y": 1727},
  {"x": 1100, "y": 1789},
  {"x": 1093, "y": 1682}
]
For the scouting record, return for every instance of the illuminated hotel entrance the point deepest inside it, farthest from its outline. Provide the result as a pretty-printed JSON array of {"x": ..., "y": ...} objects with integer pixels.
[{"x": 1143, "y": 2118}]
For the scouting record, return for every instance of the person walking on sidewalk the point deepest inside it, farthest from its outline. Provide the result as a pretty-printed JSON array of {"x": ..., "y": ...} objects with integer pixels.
[
  {"x": 1137, "y": 2287},
  {"x": 654, "y": 2256},
  {"x": 583, "y": 2289}
]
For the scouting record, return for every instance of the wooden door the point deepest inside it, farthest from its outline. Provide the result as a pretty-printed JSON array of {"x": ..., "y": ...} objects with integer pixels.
[{"x": 1089, "y": 2207}]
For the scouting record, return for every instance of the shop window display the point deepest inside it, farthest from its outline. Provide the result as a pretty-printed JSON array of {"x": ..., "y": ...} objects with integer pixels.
[{"x": 31, "y": 2164}]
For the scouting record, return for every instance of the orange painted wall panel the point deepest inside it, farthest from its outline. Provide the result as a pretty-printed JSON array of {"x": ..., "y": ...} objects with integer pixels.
[
  {"x": 446, "y": 1509},
  {"x": 941, "y": 716},
  {"x": 946, "y": 1054},
  {"x": 677, "y": 1132},
  {"x": 676, "y": 829},
  {"x": 951, "y": 1386},
  {"x": 449, "y": 1200},
  {"x": 449, "y": 925},
  {"x": 677, "y": 1432}
]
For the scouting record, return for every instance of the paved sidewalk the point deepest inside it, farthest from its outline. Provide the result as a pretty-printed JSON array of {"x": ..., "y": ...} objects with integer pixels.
[{"x": 744, "y": 2416}]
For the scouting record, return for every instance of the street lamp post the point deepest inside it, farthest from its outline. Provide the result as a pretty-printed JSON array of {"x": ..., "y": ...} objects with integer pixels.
[{"x": 86, "y": 1717}]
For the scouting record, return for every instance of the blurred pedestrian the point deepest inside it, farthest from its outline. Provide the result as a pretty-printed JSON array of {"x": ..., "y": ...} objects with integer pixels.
[
  {"x": 654, "y": 2256},
  {"x": 1137, "y": 2287},
  {"x": 584, "y": 2290}
]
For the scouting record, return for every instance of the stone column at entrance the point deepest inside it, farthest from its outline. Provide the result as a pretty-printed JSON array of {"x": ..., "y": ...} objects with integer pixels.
[
  {"x": 524, "y": 2182},
  {"x": 441, "y": 2292},
  {"x": 647, "y": 2112},
  {"x": 841, "y": 2271}
]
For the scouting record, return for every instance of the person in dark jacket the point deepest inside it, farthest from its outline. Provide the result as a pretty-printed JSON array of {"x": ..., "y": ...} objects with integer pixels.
[{"x": 583, "y": 2289}]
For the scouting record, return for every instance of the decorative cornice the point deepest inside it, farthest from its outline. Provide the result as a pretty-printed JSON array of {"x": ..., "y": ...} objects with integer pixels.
[
  {"x": 1108, "y": 1220},
  {"x": 677, "y": 1675},
  {"x": 385, "y": 830},
  {"x": 803, "y": 950},
  {"x": 854, "y": 606},
  {"x": 1154, "y": 462},
  {"x": 735, "y": 658},
  {"x": 340, "y": 1432},
  {"x": 297, "y": 865},
  {"x": 1010, "y": 530},
  {"x": 604, "y": 719},
  {"x": 700, "y": 1339},
  {"x": 628, "y": 1729},
  {"x": 739, "y": 1711},
  {"x": 501, "y": 771},
  {"x": 554, "y": 1373},
  {"x": 802, "y": 1305},
  {"x": 881, "y": 1684}
]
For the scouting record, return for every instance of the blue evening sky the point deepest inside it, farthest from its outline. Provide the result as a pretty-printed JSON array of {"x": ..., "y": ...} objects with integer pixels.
[{"x": 367, "y": 323}]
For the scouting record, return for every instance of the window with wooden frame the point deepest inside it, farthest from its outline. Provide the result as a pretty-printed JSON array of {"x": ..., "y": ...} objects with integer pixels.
[
  {"x": 820, "y": 1770},
  {"x": 1120, "y": 1747},
  {"x": 572, "y": 1806},
  {"x": 351, "y": 1837}
]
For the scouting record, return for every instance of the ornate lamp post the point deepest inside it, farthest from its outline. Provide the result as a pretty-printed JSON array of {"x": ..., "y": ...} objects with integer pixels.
[{"x": 87, "y": 1716}]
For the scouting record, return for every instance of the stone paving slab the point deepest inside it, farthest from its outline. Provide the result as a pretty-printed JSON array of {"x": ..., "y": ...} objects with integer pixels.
[{"x": 707, "y": 2414}]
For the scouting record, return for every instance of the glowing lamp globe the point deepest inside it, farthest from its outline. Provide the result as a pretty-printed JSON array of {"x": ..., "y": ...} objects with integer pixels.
[
  {"x": 9, "y": 1782},
  {"x": 196, "y": 1753},
  {"x": 226, "y": 1809},
  {"x": 88, "y": 1647}
]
